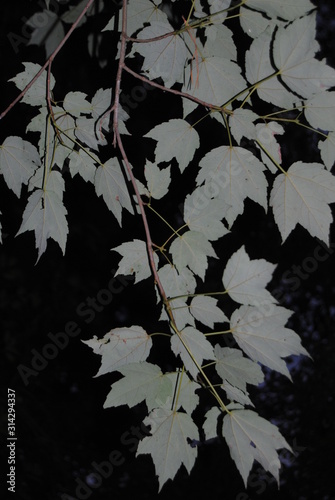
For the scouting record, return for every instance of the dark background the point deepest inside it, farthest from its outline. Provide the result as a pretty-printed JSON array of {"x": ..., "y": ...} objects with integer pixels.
[{"x": 62, "y": 427}]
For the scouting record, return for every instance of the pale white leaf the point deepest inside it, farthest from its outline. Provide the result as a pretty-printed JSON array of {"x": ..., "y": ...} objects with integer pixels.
[
  {"x": 286, "y": 9},
  {"x": 45, "y": 214},
  {"x": 181, "y": 313},
  {"x": 158, "y": 180},
  {"x": 83, "y": 164},
  {"x": 36, "y": 95},
  {"x": 204, "y": 214},
  {"x": 101, "y": 101},
  {"x": 259, "y": 69},
  {"x": 254, "y": 23},
  {"x": 238, "y": 173},
  {"x": 76, "y": 104},
  {"x": 134, "y": 259},
  {"x": 175, "y": 139},
  {"x": 121, "y": 346},
  {"x": 88, "y": 133},
  {"x": 205, "y": 310},
  {"x": 197, "y": 344},
  {"x": 245, "y": 280},
  {"x": 185, "y": 397},
  {"x": 18, "y": 161},
  {"x": 235, "y": 394},
  {"x": 192, "y": 249},
  {"x": 251, "y": 437},
  {"x": 266, "y": 138},
  {"x": 293, "y": 53},
  {"x": 142, "y": 381},
  {"x": 198, "y": 9},
  {"x": 327, "y": 150},
  {"x": 39, "y": 124},
  {"x": 261, "y": 334},
  {"x": 140, "y": 12},
  {"x": 211, "y": 423},
  {"x": 163, "y": 58},
  {"x": 320, "y": 111},
  {"x": 168, "y": 444},
  {"x": 236, "y": 369},
  {"x": 51, "y": 150},
  {"x": 110, "y": 25},
  {"x": 215, "y": 80},
  {"x": 110, "y": 184},
  {"x": 302, "y": 195},
  {"x": 218, "y": 9},
  {"x": 175, "y": 283},
  {"x": 100, "y": 107},
  {"x": 241, "y": 123},
  {"x": 219, "y": 42}
]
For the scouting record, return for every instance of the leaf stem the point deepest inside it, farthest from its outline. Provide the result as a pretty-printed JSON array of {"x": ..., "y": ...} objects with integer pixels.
[
  {"x": 196, "y": 295},
  {"x": 173, "y": 91},
  {"x": 217, "y": 333}
]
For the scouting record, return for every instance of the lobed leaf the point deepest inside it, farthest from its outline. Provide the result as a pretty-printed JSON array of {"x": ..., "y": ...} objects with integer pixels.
[
  {"x": 175, "y": 139},
  {"x": 236, "y": 369},
  {"x": 168, "y": 444},
  {"x": 134, "y": 259},
  {"x": 261, "y": 334},
  {"x": 121, "y": 346},
  {"x": 302, "y": 195},
  {"x": 18, "y": 161},
  {"x": 245, "y": 280},
  {"x": 251, "y": 437},
  {"x": 110, "y": 184},
  {"x": 142, "y": 382}
]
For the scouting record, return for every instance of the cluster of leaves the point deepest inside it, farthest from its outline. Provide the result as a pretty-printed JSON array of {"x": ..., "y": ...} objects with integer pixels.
[{"x": 197, "y": 61}]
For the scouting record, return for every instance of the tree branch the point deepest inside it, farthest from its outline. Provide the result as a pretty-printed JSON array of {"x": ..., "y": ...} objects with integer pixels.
[{"x": 172, "y": 91}]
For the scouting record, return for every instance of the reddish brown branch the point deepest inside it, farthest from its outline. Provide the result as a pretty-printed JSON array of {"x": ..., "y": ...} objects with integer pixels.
[
  {"x": 49, "y": 61},
  {"x": 119, "y": 71},
  {"x": 172, "y": 91},
  {"x": 118, "y": 140}
]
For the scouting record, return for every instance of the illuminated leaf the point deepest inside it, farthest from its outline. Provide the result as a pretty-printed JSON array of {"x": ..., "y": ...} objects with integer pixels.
[
  {"x": 251, "y": 437},
  {"x": 245, "y": 280},
  {"x": 121, "y": 346},
  {"x": 18, "y": 161},
  {"x": 302, "y": 195},
  {"x": 168, "y": 443}
]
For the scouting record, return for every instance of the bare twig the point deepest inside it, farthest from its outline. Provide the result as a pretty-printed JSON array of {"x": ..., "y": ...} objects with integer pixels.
[
  {"x": 172, "y": 91},
  {"x": 119, "y": 72},
  {"x": 149, "y": 40},
  {"x": 117, "y": 139}
]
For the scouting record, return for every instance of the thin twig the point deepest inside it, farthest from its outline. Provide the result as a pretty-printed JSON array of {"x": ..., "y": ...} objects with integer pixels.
[
  {"x": 149, "y": 40},
  {"x": 51, "y": 112},
  {"x": 119, "y": 72},
  {"x": 51, "y": 58},
  {"x": 172, "y": 91}
]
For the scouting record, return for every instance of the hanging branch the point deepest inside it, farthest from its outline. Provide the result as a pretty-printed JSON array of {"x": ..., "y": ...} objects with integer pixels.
[{"x": 49, "y": 61}]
